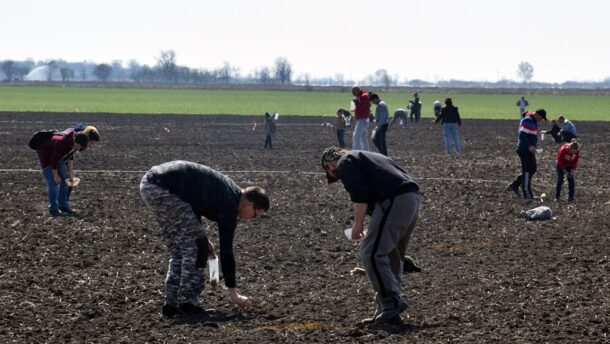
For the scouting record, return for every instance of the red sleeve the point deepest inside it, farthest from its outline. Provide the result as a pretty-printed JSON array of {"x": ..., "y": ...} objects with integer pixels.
[
  {"x": 575, "y": 160},
  {"x": 561, "y": 157}
]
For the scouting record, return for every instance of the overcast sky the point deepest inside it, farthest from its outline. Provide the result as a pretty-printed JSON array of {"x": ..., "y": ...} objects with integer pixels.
[{"x": 415, "y": 39}]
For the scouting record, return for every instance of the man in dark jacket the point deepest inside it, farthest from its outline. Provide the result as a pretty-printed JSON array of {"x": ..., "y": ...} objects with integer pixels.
[
  {"x": 376, "y": 182},
  {"x": 179, "y": 193},
  {"x": 450, "y": 116},
  {"x": 526, "y": 149}
]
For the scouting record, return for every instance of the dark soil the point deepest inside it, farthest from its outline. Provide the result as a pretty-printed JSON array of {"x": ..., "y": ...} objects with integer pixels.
[{"x": 488, "y": 275}]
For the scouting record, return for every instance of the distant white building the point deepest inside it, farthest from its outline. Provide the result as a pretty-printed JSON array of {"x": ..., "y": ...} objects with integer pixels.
[{"x": 38, "y": 74}]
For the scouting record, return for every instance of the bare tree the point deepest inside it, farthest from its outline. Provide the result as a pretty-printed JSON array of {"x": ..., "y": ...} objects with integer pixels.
[
  {"x": 51, "y": 69},
  {"x": 8, "y": 68},
  {"x": 225, "y": 73},
  {"x": 525, "y": 71},
  {"x": 167, "y": 63},
  {"x": 66, "y": 74},
  {"x": 382, "y": 77},
  {"x": 283, "y": 70},
  {"x": 102, "y": 71},
  {"x": 264, "y": 75}
]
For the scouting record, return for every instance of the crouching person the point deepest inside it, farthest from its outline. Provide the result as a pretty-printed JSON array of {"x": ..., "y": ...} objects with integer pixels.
[
  {"x": 179, "y": 193},
  {"x": 567, "y": 160},
  {"x": 374, "y": 179}
]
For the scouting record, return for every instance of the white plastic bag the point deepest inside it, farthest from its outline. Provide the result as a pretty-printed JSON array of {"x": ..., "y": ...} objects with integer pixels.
[{"x": 214, "y": 270}]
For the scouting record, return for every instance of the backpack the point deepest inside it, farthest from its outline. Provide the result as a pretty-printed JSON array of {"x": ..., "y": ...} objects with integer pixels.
[{"x": 40, "y": 137}]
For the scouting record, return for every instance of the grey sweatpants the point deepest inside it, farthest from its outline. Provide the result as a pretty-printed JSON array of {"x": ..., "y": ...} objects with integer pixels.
[
  {"x": 186, "y": 242},
  {"x": 386, "y": 241}
]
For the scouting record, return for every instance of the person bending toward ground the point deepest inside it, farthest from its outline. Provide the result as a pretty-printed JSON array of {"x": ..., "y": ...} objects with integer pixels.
[
  {"x": 375, "y": 182},
  {"x": 567, "y": 160},
  {"x": 179, "y": 193},
  {"x": 56, "y": 157},
  {"x": 526, "y": 149},
  {"x": 555, "y": 129},
  {"x": 568, "y": 130}
]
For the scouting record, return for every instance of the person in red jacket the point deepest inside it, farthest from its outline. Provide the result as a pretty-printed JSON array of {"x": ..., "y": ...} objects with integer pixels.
[
  {"x": 567, "y": 160},
  {"x": 56, "y": 157},
  {"x": 362, "y": 113}
]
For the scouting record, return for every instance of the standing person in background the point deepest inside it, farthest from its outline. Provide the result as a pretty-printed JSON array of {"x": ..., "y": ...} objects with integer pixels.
[
  {"x": 437, "y": 108},
  {"x": 568, "y": 130},
  {"x": 381, "y": 123},
  {"x": 450, "y": 117},
  {"x": 179, "y": 194},
  {"x": 415, "y": 106},
  {"x": 522, "y": 104},
  {"x": 339, "y": 126},
  {"x": 567, "y": 160},
  {"x": 526, "y": 149},
  {"x": 362, "y": 113},
  {"x": 269, "y": 131}
]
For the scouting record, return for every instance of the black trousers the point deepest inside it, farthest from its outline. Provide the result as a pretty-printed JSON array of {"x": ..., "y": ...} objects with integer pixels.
[{"x": 528, "y": 169}]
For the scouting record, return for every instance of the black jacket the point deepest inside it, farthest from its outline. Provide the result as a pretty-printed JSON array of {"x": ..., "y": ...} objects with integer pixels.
[
  {"x": 211, "y": 195},
  {"x": 372, "y": 177},
  {"x": 449, "y": 114}
]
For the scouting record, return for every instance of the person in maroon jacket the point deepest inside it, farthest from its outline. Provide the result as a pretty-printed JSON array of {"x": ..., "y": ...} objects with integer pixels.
[
  {"x": 56, "y": 157},
  {"x": 360, "y": 139}
]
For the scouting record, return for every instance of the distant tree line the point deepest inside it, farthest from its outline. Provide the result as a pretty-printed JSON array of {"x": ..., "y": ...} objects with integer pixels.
[{"x": 168, "y": 71}]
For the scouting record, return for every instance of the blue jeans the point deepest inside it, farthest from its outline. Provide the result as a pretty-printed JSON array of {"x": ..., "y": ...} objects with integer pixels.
[
  {"x": 58, "y": 194},
  {"x": 571, "y": 185},
  {"x": 379, "y": 140},
  {"x": 451, "y": 132},
  {"x": 360, "y": 138},
  {"x": 341, "y": 137}
]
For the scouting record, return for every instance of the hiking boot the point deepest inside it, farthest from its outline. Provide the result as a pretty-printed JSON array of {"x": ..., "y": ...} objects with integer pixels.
[
  {"x": 54, "y": 213},
  {"x": 190, "y": 310},
  {"x": 68, "y": 212},
  {"x": 571, "y": 200},
  {"x": 169, "y": 311},
  {"x": 409, "y": 266},
  {"x": 392, "y": 314}
]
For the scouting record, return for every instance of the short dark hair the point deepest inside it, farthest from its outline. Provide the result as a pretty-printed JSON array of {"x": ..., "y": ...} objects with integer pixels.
[
  {"x": 448, "y": 101},
  {"x": 258, "y": 197},
  {"x": 82, "y": 139},
  {"x": 373, "y": 96}
]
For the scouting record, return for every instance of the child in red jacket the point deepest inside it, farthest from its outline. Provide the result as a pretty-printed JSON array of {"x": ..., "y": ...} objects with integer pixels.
[{"x": 567, "y": 160}]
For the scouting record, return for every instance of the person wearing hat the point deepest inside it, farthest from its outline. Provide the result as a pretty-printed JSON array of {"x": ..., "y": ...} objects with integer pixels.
[
  {"x": 378, "y": 186},
  {"x": 526, "y": 149},
  {"x": 179, "y": 193}
]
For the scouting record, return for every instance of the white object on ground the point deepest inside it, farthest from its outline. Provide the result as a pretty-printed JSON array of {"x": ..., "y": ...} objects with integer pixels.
[
  {"x": 214, "y": 273},
  {"x": 538, "y": 150},
  {"x": 542, "y": 136}
]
